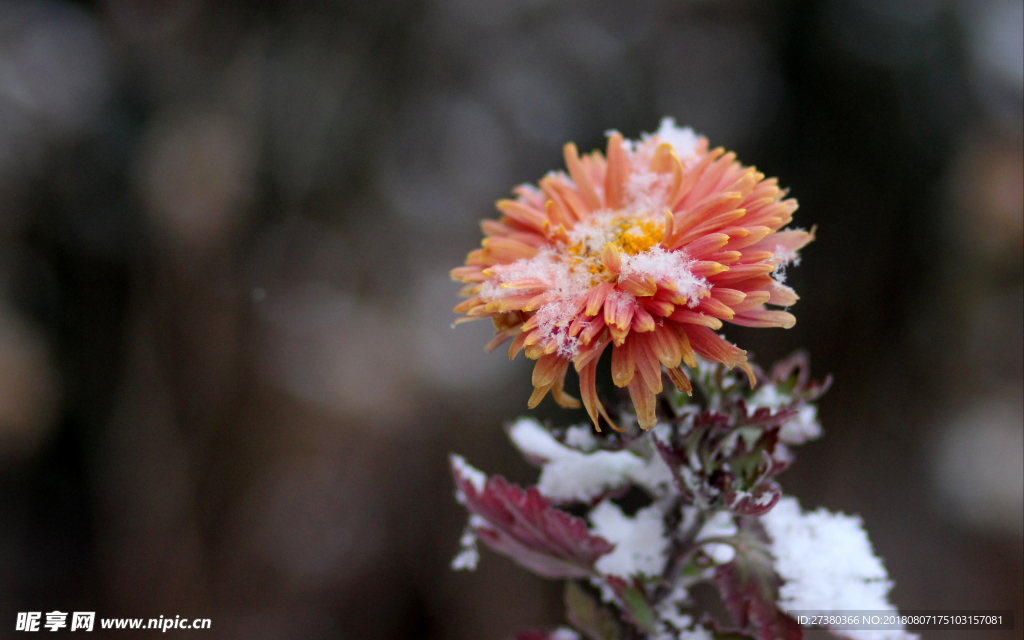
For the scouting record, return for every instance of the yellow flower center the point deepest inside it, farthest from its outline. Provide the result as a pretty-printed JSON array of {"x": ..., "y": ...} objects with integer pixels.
[
  {"x": 631, "y": 234},
  {"x": 639, "y": 235}
]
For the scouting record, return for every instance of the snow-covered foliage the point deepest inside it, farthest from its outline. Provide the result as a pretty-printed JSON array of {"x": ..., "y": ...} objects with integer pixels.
[
  {"x": 827, "y": 564},
  {"x": 569, "y": 474},
  {"x": 693, "y": 500},
  {"x": 640, "y": 542}
]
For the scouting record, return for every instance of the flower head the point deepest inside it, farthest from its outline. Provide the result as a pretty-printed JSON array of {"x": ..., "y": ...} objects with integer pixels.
[{"x": 646, "y": 250}]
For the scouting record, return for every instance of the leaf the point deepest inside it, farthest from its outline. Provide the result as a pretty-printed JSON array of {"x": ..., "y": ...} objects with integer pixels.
[
  {"x": 525, "y": 527},
  {"x": 755, "y": 502},
  {"x": 587, "y": 614},
  {"x": 750, "y": 587},
  {"x": 638, "y": 611}
]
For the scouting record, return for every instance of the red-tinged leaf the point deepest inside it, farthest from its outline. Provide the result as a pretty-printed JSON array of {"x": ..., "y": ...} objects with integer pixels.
[
  {"x": 674, "y": 458},
  {"x": 588, "y": 615},
  {"x": 750, "y": 587},
  {"x": 525, "y": 527},
  {"x": 793, "y": 375},
  {"x": 756, "y": 502}
]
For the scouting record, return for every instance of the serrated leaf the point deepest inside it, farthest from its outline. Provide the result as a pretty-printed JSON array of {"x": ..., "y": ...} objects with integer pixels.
[
  {"x": 588, "y": 615},
  {"x": 523, "y": 525}
]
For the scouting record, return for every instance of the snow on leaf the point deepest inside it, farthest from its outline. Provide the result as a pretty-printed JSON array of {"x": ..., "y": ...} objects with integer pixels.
[
  {"x": 570, "y": 475},
  {"x": 828, "y": 564},
  {"x": 755, "y": 502},
  {"x": 640, "y": 542},
  {"x": 750, "y": 586},
  {"x": 523, "y": 525}
]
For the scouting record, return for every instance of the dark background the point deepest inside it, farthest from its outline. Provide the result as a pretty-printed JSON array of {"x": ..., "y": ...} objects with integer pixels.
[{"x": 228, "y": 385}]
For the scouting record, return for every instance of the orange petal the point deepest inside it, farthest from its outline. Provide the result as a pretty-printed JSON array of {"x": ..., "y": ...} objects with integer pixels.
[
  {"x": 661, "y": 161},
  {"x": 644, "y": 401},
  {"x": 517, "y": 345},
  {"x": 623, "y": 363},
  {"x": 563, "y": 399},
  {"x": 506, "y": 250},
  {"x": 765, "y": 318},
  {"x": 647, "y": 365},
  {"x": 680, "y": 380},
  {"x": 526, "y": 284},
  {"x": 467, "y": 274},
  {"x": 715, "y": 222},
  {"x": 742, "y": 272},
  {"x": 589, "y": 353},
  {"x": 557, "y": 217},
  {"x": 581, "y": 177},
  {"x": 679, "y": 184},
  {"x": 617, "y": 172},
  {"x": 638, "y": 285},
  {"x": 466, "y": 305},
  {"x": 661, "y": 307},
  {"x": 498, "y": 340},
  {"x": 711, "y": 347},
  {"x": 727, "y": 296},
  {"x": 689, "y": 218},
  {"x": 593, "y": 329},
  {"x": 753, "y": 300},
  {"x": 525, "y": 215},
  {"x": 511, "y": 303},
  {"x": 642, "y": 320},
  {"x": 715, "y": 308},
  {"x": 707, "y": 244},
  {"x": 687, "y": 316},
  {"x": 724, "y": 257},
  {"x": 754, "y": 235},
  {"x": 664, "y": 344},
  {"x": 706, "y": 268},
  {"x": 782, "y": 295},
  {"x": 547, "y": 369},
  {"x": 538, "y": 395},
  {"x": 679, "y": 194},
  {"x": 618, "y": 310},
  {"x": 611, "y": 258},
  {"x": 684, "y": 345},
  {"x": 708, "y": 182},
  {"x": 568, "y": 198},
  {"x": 596, "y": 297},
  {"x": 750, "y": 257},
  {"x": 588, "y": 387}
]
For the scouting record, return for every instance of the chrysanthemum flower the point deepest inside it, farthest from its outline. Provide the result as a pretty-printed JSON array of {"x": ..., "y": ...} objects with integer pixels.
[{"x": 647, "y": 250}]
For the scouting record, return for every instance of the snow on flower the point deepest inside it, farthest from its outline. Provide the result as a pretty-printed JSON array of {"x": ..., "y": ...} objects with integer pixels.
[
  {"x": 827, "y": 564},
  {"x": 568, "y": 474},
  {"x": 646, "y": 249}
]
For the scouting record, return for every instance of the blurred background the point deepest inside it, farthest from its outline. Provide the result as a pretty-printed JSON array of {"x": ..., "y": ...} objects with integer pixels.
[{"x": 228, "y": 384}]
